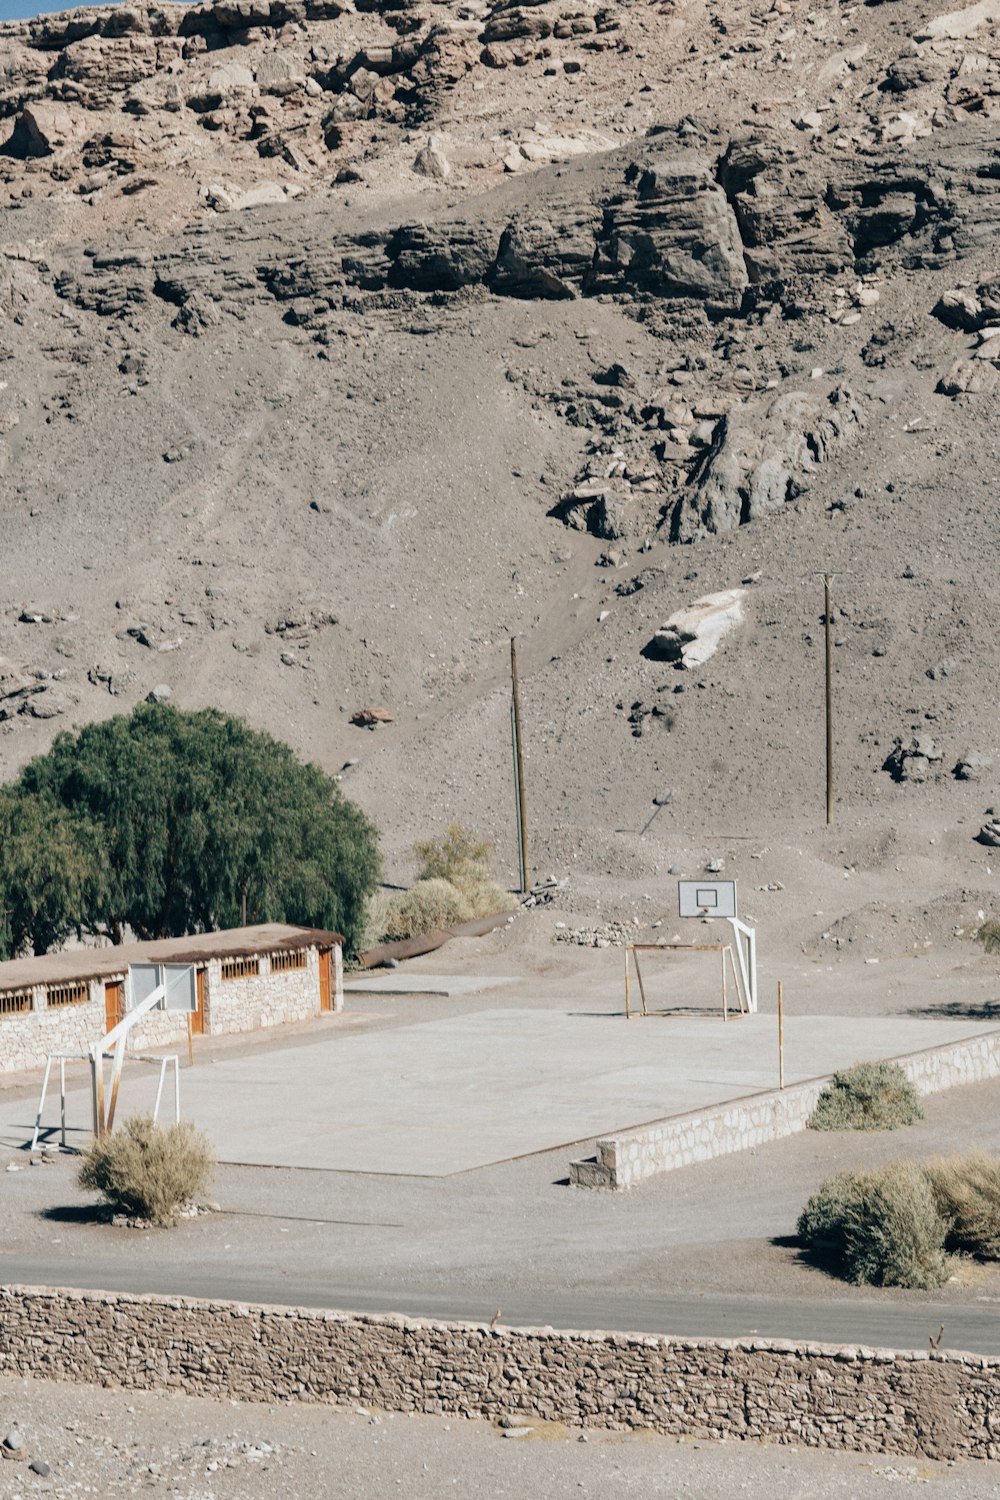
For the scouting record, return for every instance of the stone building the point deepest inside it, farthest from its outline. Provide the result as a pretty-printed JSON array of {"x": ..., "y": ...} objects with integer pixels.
[{"x": 247, "y": 977}]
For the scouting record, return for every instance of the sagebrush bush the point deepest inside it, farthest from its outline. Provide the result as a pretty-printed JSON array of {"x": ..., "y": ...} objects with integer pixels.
[
  {"x": 989, "y": 935},
  {"x": 822, "y": 1226},
  {"x": 454, "y": 886},
  {"x": 880, "y": 1228},
  {"x": 867, "y": 1096},
  {"x": 458, "y": 853},
  {"x": 483, "y": 896},
  {"x": 966, "y": 1190},
  {"x": 894, "y": 1233},
  {"x": 427, "y": 905},
  {"x": 149, "y": 1171}
]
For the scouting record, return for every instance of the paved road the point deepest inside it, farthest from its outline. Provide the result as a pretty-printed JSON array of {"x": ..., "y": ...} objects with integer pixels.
[{"x": 971, "y": 1327}]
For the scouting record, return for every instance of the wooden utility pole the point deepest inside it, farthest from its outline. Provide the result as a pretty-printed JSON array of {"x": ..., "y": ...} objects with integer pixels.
[
  {"x": 829, "y": 702},
  {"x": 522, "y": 817}
]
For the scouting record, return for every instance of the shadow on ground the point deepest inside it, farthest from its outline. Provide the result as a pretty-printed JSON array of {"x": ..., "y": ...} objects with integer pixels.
[
  {"x": 78, "y": 1213},
  {"x": 959, "y": 1010}
]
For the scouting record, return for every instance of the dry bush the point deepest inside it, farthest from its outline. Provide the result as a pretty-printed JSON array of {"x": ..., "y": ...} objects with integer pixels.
[
  {"x": 967, "y": 1192},
  {"x": 149, "y": 1171},
  {"x": 867, "y": 1096},
  {"x": 377, "y": 910},
  {"x": 483, "y": 896},
  {"x": 822, "y": 1226},
  {"x": 428, "y": 905},
  {"x": 458, "y": 853},
  {"x": 894, "y": 1233},
  {"x": 989, "y": 935},
  {"x": 880, "y": 1228}
]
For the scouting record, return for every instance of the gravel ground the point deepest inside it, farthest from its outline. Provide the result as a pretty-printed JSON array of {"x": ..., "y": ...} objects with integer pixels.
[{"x": 109, "y": 1442}]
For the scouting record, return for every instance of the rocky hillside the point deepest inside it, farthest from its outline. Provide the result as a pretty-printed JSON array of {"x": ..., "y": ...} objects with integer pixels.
[{"x": 339, "y": 342}]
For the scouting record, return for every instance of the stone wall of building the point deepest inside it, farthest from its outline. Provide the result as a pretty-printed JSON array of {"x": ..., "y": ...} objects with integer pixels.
[
  {"x": 26, "y": 1040},
  {"x": 268, "y": 998},
  {"x": 938, "y": 1404},
  {"x": 623, "y": 1160},
  {"x": 264, "y": 999}
]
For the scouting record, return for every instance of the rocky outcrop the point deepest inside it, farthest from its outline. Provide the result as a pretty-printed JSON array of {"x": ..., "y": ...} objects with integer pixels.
[
  {"x": 673, "y": 235},
  {"x": 760, "y": 457}
]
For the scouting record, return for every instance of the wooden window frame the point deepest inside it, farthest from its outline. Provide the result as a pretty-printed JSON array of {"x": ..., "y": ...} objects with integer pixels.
[
  {"x": 289, "y": 961},
  {"x": 73, "y": 993},
  {"x": 16, "y": 1003},
  {"x": 240, "y": 968}
]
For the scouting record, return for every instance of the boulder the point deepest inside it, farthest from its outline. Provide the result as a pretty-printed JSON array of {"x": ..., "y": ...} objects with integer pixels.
[
  {"x": 370, "y": 718},
  {"x": 429, "y": 162},
  {"x": 280, "y": 73},
  {"x": 968, "y": 377},
  {"x": 971, "y": 766},
  {"x": 692, "y": 634},
  {"x": 52, "y": 127},
  {"x": 956, "y": 25},
  {"x": 913, "y": 761}
]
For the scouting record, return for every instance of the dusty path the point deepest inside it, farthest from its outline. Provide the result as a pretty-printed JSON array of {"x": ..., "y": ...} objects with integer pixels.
[{"x": 110, "y": 1442}]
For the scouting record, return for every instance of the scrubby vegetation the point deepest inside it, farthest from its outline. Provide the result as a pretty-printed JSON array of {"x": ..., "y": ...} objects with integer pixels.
[
  {"x": 149, "y": 1171},
  {"x": 454, "y": 886},
  {"x": 967, "y": 1192},
  {"x": 867, "y": 1096},
  {"x": 989, "y": 935},
  {"x": 896, "y": 1225}
]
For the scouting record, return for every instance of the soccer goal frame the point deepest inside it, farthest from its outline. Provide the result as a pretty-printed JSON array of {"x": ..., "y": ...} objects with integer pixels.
[{"x": 729, "y": 962}]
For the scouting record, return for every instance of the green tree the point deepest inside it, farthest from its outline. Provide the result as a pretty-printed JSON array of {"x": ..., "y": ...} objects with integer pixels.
[
  {"x": 203, "y": 821},
  {"x": 51, "y": 871}
]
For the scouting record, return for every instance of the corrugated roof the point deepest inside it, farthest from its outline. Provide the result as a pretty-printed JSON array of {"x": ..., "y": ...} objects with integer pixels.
[{"x": 104, "y": 963}]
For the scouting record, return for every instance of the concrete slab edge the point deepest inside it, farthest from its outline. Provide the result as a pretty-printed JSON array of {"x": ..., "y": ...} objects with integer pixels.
[{"x": 628, "y": 1157}]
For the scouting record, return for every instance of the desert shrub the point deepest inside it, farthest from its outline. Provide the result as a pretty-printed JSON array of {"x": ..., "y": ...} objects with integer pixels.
[
  {"x": 867, "y": 1096},
  {"x": 463, "y": 859},
  {"x": 967, "y": 1193},
  {"x": 822, "y": 1226},
  {"x": 880, "y": 1228},
  {"x": 149, "y": 1171},
  {"x": 459, "y": 854},
  {"x": 427, "y": 905},
  {"x": 989, "y": 935},
  {"x": 894, "y": 1232},
  {"x": 483, "y": 896},
  {"x": 376, "y": 918}
]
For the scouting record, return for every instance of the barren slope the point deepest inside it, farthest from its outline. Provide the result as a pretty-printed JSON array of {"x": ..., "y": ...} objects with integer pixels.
[{"x": 341, "y": 344}]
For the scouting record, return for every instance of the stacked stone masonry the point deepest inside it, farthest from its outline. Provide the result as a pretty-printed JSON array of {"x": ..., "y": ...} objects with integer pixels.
[
  {"x": 941, "y": 1405},
  {"x": 624, "y": 1160},
  {"x": 26, "y": 1040}
]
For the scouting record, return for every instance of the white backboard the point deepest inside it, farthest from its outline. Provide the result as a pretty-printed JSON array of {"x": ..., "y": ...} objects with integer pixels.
[
  {"x": 179, "y": 979},
  {"x": 707, "y": 898}
]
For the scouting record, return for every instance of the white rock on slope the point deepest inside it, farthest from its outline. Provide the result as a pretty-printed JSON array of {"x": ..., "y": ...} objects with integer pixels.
[{"x": 692, "y": 634}]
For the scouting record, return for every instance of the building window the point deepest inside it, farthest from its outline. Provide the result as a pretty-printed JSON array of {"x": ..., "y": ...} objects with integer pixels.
[
  {"x": 68, "y": 994},
  {"x": 240, "y": 968},
  {"x": 18, "y": 1003},
  {"x": 282, "y": 963}
]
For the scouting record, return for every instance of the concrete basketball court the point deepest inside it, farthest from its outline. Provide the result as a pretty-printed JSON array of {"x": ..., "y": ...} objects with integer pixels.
[{"x": 444, "y": 1096}]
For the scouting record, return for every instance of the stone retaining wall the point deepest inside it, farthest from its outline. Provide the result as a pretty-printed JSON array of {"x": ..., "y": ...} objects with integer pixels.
[
  {"x": 941, "y": 1405},
  {"x": 623, "y": 1160}
]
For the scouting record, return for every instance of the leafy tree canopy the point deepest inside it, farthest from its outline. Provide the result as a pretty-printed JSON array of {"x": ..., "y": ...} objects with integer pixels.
[{"x": 196, "y": 818}]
